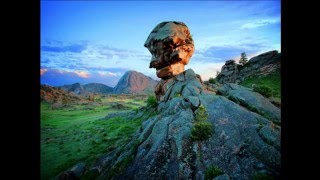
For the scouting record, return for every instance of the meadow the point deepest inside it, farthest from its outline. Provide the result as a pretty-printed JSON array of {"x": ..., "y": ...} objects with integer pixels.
[
  {"x": 272, "y": 81},
  {"x": 79, "y": 133}
]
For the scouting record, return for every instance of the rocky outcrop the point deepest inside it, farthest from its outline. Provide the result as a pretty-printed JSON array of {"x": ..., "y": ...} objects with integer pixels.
[
  {"x": 229, "y": 72},
  {"x": 191, "y": 131},
  {"x": 87, "y": 89},
  {"x": 242, "y": 143},
  {"x": 133, "y": 82},
  {"x": 260, "y": 65},
  {"x": 251, "y": 100},
  {"x": 185, "y": 84}
]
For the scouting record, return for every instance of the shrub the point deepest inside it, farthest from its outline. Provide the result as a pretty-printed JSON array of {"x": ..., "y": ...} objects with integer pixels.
[
  {"x": 201, "y": 131},
  {"x": 212, "y": 80},
  {"x": 201, "y": 113},
  {"x": 176, "y": 95},
  {"x": 212, "y": 172},
  {"x": 263, "y": 90},
  {"x": 136, "y": 109},
  {"x": 152, "y": 101}
]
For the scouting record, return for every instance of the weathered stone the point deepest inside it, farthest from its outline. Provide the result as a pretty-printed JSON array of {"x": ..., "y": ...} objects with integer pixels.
[
  {"x": 171, "y": 46},
  {"x": 236, "y": 145},
  {"x": 270, "y": 135},
  {"x": 194, "y": 100},
  {"x": 251, "y": 100}
]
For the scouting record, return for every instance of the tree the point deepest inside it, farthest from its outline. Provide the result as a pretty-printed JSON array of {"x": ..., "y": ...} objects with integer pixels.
[
  {"x": 243, "y": 60},
  {"x": 217, "y": 73},
  {"x": 212, "y": 80}
]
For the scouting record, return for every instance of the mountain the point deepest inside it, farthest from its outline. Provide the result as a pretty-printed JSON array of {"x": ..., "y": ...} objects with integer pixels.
[
  {"x": 55, "y": 95},
  {"x": 133, "y": 82},
  {"x": 75, "y": 88},
  {"x": 98, "y": 88},
  {"x": 261, "y": 65},
  {"x": 86, "y": 89}
]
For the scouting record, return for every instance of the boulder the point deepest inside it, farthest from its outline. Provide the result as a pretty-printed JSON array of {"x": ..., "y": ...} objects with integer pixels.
[
  {"x": 251, "y": 100},
  {"x": 171, "y": 46}
]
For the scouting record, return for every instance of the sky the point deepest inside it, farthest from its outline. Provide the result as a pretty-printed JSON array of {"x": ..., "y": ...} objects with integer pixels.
[{"x": 98, "y": 41}]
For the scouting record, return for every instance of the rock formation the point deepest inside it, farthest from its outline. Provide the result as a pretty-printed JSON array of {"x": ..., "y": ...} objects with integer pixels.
[
  {"x": 263, "y": 64},
  {"x": 230, "y": 136},
  {"x": 171, "y": 46},
  {"x": 133, "y": 82}
]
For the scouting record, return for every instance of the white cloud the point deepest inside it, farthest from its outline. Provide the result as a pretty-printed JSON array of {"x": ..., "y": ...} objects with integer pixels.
[
  {"x": 42, "y": 71},
  {"x": 259, "y": 23},
  {"x": 82, "y": 74},
  {"x": 107, "y": 73}
]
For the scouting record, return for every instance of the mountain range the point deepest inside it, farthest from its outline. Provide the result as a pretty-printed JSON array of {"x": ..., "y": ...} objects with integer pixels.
[{"x": 132, "y": 82}]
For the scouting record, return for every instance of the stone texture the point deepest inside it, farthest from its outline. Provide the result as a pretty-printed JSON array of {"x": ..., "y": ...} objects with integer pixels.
[
  {"x": 236, "y": 146},
  {"x": 185, "y": 84},
  {"x": 171, "y": 46},
  {"x": 251, "y": 100}
]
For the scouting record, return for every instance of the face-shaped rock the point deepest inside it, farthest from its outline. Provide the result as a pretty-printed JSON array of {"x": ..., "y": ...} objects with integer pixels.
[{"x": 171, "y": 46}]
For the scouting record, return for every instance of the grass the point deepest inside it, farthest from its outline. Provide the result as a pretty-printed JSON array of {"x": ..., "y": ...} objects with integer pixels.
[
  {"x": 272, "y": 81},
  {"x": 263, "y": 90},
  {"x": 75, "y": 134}
]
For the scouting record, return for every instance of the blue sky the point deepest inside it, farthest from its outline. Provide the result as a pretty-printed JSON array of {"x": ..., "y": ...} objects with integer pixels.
[{"x": 98, "y": 41}]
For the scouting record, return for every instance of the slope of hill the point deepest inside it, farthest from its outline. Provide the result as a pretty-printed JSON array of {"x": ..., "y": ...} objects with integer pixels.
[
  {"x": 55, "y": 95},
  {"x": 75, "y": 88},
  {"x": 87, "y": 89},
  {"x": 98, "y": 88},
  {"x": 133, "y": 82}
]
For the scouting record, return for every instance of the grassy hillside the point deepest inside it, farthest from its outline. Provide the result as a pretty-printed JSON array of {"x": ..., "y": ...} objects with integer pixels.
[
  {"x": 75, "y": 133},
  {"x": 273, "y": 81}
]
